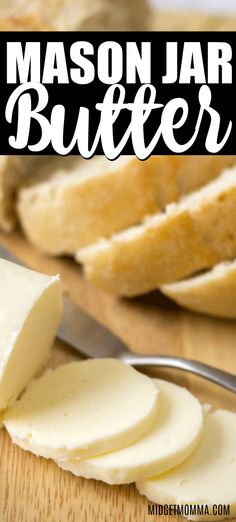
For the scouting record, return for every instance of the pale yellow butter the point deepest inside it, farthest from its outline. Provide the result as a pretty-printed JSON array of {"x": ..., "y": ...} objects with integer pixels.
[
  {"x": 83, "y": 409},
  {"x": 207, "y": 478},
  {"x": 30, "y": 311},
  {"x": 173, "y": 438}
]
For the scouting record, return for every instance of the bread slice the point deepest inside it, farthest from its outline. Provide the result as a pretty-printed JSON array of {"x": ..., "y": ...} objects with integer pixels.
[
  {"x": 20, "y": 171},
  {"x": 213, "y": 292},
  {"x": 83, "y": 15},
  {"x": 58, "y": 15},
  {"x": 14, "y": 170},
  {"x": 189, "y": 236},
  {"x": 94, "y": 199},
  {"x": 98, "y": 197}
]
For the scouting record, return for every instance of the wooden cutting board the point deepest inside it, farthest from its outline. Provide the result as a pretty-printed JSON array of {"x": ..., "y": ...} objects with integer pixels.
[{"x": 35, "y": 490}]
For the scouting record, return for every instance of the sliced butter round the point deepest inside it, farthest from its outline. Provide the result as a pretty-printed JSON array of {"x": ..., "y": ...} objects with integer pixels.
[
  {"x": 213, "y": 292},
  {"x": 83, "y": 409},
  {"x": 173, "y": 437},
  {"x": 30, "y": 311},
  {"x": 207, "y": 478}
]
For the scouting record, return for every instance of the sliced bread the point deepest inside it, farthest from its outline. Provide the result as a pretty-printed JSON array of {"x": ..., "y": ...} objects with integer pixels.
[
  {"x": 189, "y": 236},
  {"x": 213, "y": 292},
  {"x": 20, "y": 171},
  {"x": 98, "y": 197},
  {"x": 13, "y": 171},
  {"x": 58, "y": 15},
  {"x": 92, "y": 200}
]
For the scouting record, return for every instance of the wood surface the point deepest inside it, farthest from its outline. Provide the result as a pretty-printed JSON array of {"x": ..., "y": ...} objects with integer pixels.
[{"x": 36, "y": 490}]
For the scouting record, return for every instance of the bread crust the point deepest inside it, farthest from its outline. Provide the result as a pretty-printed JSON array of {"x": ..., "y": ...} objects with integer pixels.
[
  {"x": 213, "y": 292},
  {"x": 72, "y": 210},
  {"x": 190, "y": 236},
  {"x": 93, "y": 200},
  {"x": 15, "y": 171}
]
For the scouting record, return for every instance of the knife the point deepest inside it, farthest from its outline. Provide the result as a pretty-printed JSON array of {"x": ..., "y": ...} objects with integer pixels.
[{"x": 91, "y": 339}]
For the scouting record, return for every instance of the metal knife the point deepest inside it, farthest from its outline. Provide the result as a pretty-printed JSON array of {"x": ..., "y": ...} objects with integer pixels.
[{"x": 90, "y": 339}]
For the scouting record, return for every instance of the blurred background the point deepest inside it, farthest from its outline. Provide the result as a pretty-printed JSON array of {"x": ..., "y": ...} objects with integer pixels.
[
  {"x": 214, "y": 6},
  {"x": 117, "y": 15}
]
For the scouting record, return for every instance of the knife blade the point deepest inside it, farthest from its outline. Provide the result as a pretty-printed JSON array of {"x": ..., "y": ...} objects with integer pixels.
[{"x": 90, "y": 339}]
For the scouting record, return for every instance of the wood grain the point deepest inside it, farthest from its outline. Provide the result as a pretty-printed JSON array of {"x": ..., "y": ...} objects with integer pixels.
[{"x": 36, "y": 490}]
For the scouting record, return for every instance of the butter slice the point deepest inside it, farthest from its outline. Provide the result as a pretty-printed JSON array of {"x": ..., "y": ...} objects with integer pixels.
[
  {"x": 30, "y": 311},
  {"x": 208, "y": 477},
  {"x": 83, "y": 409},
  {"x": 172, "y": 439}
]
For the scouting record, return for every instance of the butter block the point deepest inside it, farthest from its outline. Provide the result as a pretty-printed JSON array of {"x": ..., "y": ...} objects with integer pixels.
[
  {"x": 83, "y": 409},
  {"x": 172, "y": 439},
  {"x": 30, "y": 311},
  {"x": 206, "y": 478}
]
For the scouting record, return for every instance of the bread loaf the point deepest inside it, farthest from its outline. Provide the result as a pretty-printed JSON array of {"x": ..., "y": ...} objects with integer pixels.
[
  {"x": 94, "y": 199},
  {"x": 58, "y": 15},
  {"x": 14, "y": 170},
  {"x": 189, "y": 236},
  {"x": 97, "y": 197}
]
